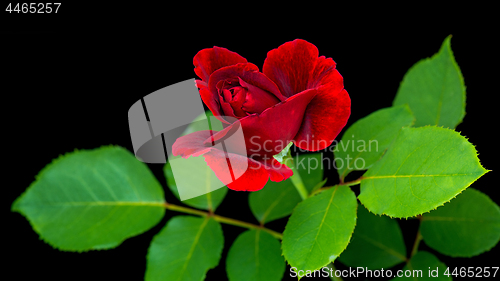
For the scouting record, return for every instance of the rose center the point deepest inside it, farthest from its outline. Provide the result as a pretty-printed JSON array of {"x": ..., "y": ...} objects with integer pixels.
[{"x": 240, "y": 99}]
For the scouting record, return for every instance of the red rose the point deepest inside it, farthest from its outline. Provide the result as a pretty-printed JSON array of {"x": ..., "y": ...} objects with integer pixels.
[{"x": 298, "y": 97}]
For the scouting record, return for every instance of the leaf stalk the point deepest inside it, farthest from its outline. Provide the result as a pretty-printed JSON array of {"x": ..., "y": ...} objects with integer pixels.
[
  {"x": 221, "y": 219},
  {"x": 295, "y": 178},
  {"x": 418, "y": 238}
]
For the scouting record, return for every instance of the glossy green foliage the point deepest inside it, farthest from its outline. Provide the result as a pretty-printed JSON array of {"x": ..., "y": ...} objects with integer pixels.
[
  {"x": 277, "y": 199},
  {"x": 424, "y": 266},
  {"x": 185, "y": 249},
  {"x": 320, "y": 228},
  {"x": 367, "y": 139},
  {"x": 255, "y": 256},
  {"x": 92, "y": 199},
  {"x": 377, "y": 242},
  {"x": 423, "y": 169},
  {"x": 434, "y": 89},
  {"x": 467, "y": 226},
  {"x": 416, "y": 165}
]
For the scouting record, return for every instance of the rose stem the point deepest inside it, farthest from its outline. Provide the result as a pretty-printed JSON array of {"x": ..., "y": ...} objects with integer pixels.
[
  {"x": 349, "y": 183},
  {"x": 418, "y": 238},
  {"x": 221, "y": 219},
  {"x": 296, "y": 179}
]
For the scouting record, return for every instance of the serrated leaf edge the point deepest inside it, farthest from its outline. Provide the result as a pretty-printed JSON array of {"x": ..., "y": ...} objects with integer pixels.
[
  {"x": 468, "y": 256},
  {"x": 446, "y": 45},
  {"x": 40, "y": 174},
  {"x": 476, "y": 158},
  {"x": 347, "y": 244},
  {"x": 403, "y": 106},
  {"x": 219, "y": 256}
]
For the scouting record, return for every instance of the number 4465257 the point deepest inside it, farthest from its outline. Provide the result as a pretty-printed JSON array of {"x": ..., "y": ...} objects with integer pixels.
[
  {"x": 472, "y": 271},
  {"x": 33, "y": 8}
]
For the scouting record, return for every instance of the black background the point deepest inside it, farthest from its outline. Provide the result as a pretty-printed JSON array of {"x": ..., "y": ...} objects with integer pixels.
[{"x": 69, "y": 79}]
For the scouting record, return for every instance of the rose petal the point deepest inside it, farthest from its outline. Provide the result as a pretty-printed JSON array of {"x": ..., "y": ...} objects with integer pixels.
[
  {"x": 266, "y": 134},
  {"x": 249, "y": 73},
  {"x": 254, "y": 174},
  {"x": 209, "y": 60},
  {"x": 261, "y": 81},
  {"x": 276, "y": 170},
  {"x": 211, "y": 101},
  {"x": 228, "y": 72},
  {"x": 193, "y": 144},
  {"x": 206, "y": 62},
  {"x": 248, "y": 174},
  {"x": 237, "y": 102},
  {"x": 257, "y": 99},
  {"x": 295, "y": 67},
  {"x": 325, "y": 73},
  {"x": 326, "y": 115}
]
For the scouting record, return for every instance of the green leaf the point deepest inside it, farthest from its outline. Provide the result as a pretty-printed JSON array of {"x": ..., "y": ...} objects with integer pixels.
[
  {"x": 434, "y": 89},
  {"x": 320, "y": 228},
  {"x": 208, "y": 180},
  {"x": 377, "y": 242},
  {"x": 255, "y": 256},
  {"x": 467, "y": 226},
  {"x": 92, "y": 199},
  {"x": 424, "y": 266},
  {"x": 185, "y": 249},
  {"x": 277, "y": 199},
  {"x": 367, "y": 139},
  {"x": 424, "y": 168}
]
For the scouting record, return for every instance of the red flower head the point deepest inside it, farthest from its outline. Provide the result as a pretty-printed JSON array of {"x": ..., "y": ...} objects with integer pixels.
[{"x": 297, "y": 97}]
